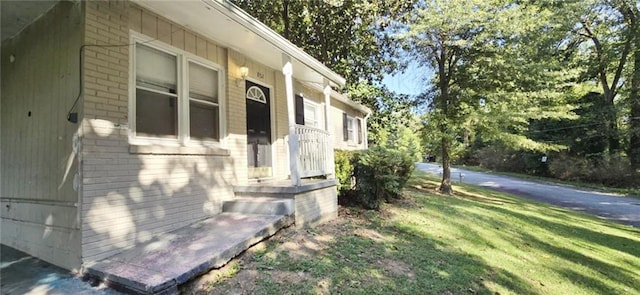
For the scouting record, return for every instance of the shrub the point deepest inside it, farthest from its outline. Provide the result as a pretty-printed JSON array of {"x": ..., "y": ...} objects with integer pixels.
[
  {"x": 569, "y": 168},
  {"x": 344, "y": 170},
  {"x": 610, "y": 171},
  {"x": 381, "y": 174}
]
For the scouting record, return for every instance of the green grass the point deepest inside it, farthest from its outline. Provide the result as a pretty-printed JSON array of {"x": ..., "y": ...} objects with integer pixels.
[{"x": 478, "y": 242}]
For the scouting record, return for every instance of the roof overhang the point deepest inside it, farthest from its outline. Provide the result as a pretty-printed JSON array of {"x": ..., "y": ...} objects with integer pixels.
[
  {"x": 341, "y": 98},
  {"x": 16, "y": 15},
  {"x": 230, "y": 26}
]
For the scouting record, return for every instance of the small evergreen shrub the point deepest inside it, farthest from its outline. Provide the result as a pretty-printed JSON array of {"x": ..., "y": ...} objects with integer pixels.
[{"x": 381, "y": 174}]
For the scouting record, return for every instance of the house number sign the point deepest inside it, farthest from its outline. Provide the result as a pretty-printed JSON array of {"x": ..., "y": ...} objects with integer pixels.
[{"x": 260, "y": 75}]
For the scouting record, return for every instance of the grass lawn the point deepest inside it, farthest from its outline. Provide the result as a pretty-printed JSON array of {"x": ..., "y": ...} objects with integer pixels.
[{"x": 478, "y": 242}]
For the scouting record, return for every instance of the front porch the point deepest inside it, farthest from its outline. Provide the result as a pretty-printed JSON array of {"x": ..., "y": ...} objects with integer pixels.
[{"x": 257, "y": 212}]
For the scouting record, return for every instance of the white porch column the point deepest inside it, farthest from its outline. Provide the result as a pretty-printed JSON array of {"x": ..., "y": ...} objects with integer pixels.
[
  {"x": 327, "y": 115},
  {"x": 294, "y": 158},
  {"x": 365, "y": 130}
]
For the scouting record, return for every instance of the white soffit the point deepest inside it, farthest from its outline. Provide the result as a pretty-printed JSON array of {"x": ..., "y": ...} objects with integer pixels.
[
  {"x": 231, "y": 27},
  {"x": 341, "y": 98}
]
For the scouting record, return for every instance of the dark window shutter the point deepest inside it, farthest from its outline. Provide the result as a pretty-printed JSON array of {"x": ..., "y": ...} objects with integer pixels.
[
  {"x": 299, "y": 110},
  {"x": 359, "y": 131},
  {"x": 345, "y": 128}
]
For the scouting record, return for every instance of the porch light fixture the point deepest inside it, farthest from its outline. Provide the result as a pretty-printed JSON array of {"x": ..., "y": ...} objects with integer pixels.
[{"x": 244, "y": 71}]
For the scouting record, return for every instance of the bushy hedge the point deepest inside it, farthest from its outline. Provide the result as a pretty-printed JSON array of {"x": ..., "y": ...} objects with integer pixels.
[
  {"x": 380, "y": 175},
  {"x": 344, "y": 170}
]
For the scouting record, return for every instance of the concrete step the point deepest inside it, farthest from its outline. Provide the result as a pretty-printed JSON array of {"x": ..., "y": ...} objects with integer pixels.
[
  {"x": 158, "y": 266},
  {"x": 260, "y": 206}
]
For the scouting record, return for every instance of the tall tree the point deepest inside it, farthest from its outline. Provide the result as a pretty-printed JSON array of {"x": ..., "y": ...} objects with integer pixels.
[
  {"x": 609, "y": 28},
  {"x": 498, "y": 65},
  {"x": 633, "y": 13}
]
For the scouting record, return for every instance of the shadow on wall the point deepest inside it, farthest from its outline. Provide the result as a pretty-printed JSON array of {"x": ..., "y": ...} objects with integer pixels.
[{"x": 129, "y": 198}]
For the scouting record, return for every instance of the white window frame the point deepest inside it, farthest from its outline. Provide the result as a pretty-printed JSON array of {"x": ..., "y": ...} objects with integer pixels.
[
  {"x": 183, "y": 59},
  {"x": 316, "y": 109},
  {"x": 352, "y": 134}
]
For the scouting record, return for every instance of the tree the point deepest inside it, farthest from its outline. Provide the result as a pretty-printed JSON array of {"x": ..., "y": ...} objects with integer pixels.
[
  {"x": 498, "y": 65},
  {"x": 608, "y": 25},
  {"x": 633, "y": 13}
]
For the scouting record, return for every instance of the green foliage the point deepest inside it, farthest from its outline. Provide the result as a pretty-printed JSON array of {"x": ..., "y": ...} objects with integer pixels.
[
  {"x": 344, "y": 170},
  {"x": 500, "y": 158},
  {"x": 350, "y": 37},
  {"x": 407, "y": 142},
  {"x": 381, "y": 174},
  {"x": 609, "y": 171}
]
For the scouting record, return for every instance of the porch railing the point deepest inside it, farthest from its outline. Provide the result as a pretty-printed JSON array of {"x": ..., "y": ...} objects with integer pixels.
[{"x": 314, "y": 148}]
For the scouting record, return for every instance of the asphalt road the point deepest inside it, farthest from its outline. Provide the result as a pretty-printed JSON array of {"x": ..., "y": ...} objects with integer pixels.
[{"x": 613, "y": 207}]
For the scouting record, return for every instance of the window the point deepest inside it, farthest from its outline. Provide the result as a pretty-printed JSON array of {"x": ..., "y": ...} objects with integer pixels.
[
  {"x": 350, "y": 127},
  {"x": 307, "y": 112},
  {"x": 156, "y": 96},
  {"x": 311, "y": 117},
  {"x": 176, "y": 97}
]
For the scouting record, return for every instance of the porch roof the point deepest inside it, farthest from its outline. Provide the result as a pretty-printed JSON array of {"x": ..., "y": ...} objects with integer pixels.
[
  {"x": 342, "y": 98},
  {"x": 232, "y": 27}
]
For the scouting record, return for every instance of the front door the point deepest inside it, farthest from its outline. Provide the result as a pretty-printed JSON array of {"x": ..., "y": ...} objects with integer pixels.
[{"x": 258, "y": 131}]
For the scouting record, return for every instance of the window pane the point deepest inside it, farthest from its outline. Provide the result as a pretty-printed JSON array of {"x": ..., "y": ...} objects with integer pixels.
[
  {"x": 203, "y": 121},
  {"x": 350, "y": 125},
  {"x": 203, "y": 83},
  {"x": 156, "y": 114},
  {"x": 156, "y": 69},
  {"x": 310, "y": 115}
]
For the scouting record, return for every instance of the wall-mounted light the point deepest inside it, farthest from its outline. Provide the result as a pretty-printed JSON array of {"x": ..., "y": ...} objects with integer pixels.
[{"x": 244, "y": 71}]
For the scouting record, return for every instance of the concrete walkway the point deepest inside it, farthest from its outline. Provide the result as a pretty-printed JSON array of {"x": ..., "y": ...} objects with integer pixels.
[
  {"x": 171, "y": 259},
  {"x": 613, "y": 207},
  {"x": 24, "y": 274}
]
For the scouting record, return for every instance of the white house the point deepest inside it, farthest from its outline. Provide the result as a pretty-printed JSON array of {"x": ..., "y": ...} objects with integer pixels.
[{"x": 121, "y": 120}]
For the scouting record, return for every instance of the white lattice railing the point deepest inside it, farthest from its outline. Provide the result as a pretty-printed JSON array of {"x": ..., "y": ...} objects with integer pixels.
[{"x": 314, "y": 148}]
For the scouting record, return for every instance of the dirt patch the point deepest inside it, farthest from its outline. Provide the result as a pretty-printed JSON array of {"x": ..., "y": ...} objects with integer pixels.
[
  {"x": 397, "y": 268},
  {"x": 241, "y": 275}
]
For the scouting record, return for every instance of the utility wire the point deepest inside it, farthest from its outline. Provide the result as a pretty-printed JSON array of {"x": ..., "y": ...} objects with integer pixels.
[{"x": 81, "y": 68}]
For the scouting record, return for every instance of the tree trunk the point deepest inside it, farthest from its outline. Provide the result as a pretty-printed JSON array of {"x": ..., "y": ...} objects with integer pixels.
[
  {"x": 445, "y": 186},
  {"x": 634, "y": 97},
  {"x": 612, "y": 124},
  {"x": 443, "y": 84}
]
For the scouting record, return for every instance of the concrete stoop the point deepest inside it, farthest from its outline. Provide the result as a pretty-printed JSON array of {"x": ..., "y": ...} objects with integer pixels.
[
  {"x": 260, "y": 205},
  {"x": 171, "y": 259}
]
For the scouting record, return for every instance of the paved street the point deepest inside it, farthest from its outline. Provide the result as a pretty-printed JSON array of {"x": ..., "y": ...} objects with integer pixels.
[{"x": 609, "y": 206}]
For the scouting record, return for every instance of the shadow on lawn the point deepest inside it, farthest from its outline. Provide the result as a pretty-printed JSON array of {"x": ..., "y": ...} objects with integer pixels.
[
  {"x": 370, "y": 255},
  {"x": 581, "y": 232}
]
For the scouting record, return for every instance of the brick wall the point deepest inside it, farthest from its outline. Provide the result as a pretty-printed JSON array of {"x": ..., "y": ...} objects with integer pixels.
[
  {"x": 316, "y": 206},
  {"x": 129, "y": 197}
]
